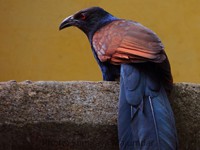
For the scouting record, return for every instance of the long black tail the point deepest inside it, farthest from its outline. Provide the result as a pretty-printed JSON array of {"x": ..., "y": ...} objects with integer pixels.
[{"x": 146, "y": 120}]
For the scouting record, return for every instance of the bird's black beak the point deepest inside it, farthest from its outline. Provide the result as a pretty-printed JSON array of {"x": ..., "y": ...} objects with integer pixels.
[{"x": 67, "y": 22}]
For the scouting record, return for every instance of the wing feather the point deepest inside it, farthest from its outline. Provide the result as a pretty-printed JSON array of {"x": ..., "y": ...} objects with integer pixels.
[{"x": 124, "y": 41}]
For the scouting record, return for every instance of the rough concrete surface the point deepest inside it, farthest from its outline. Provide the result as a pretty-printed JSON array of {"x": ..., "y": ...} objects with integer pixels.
[{"x": 80, "y": 115}]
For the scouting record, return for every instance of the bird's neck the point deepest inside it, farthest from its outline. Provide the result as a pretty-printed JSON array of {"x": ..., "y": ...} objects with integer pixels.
[{"x": 104, "y": 21}]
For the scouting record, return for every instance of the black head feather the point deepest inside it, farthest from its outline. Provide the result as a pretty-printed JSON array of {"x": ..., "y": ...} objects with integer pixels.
[{"x": 88, "y": 20}]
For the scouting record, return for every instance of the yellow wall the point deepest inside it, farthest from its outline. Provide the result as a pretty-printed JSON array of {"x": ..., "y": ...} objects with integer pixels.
[{"x": 32, "y": 48}]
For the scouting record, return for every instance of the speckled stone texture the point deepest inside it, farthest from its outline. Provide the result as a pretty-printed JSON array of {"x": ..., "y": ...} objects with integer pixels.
[{"x": 80, "y": 115}]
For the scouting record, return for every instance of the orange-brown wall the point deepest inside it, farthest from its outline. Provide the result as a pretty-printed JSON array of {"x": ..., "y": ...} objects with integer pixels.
[{"x": 32, "y": 47}]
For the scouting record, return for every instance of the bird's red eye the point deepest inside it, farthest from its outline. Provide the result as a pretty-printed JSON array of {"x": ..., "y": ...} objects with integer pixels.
[{"x": 82, "y": 16}]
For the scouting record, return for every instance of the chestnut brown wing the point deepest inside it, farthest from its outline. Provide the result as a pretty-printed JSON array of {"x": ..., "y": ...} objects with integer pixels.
[{"x": 125, "y": 41}]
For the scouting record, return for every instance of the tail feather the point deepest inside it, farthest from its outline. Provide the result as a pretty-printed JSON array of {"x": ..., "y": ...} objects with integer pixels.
[
  {"x": 155, "y": 123},
  {"x": 145, "y": 120},
  {"x": 165, "y": 121}
]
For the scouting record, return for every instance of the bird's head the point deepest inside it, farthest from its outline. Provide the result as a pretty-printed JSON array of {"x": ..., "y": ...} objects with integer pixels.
[{"x": 88, "y": 20}]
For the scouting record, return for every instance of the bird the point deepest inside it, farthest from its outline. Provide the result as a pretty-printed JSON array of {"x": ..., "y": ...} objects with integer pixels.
[{"x": 128, "y": 50}]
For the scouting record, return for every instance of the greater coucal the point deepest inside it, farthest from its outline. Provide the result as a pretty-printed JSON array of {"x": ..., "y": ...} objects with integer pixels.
[{"x": 127, "y": 49}]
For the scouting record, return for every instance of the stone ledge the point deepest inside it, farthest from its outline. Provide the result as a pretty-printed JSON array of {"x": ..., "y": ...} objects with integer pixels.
[{"x": 80, "y": 115}]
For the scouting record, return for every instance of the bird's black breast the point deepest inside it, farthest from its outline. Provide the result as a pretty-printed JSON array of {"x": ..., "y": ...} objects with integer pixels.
[{"x": 110, "y": 72}]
